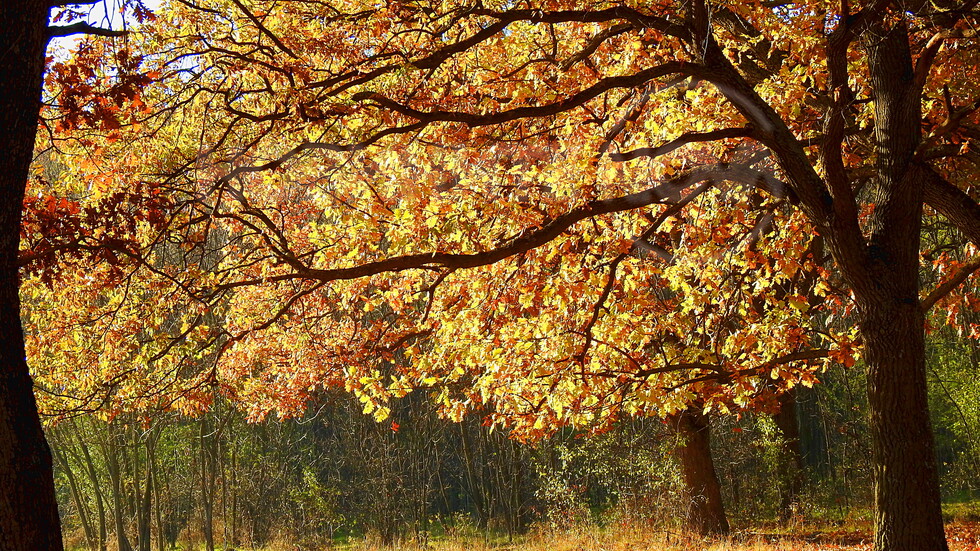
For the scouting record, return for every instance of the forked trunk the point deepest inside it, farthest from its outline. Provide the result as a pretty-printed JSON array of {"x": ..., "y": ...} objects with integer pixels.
[
  {"x": 705, "y": 510},
  {"x": 907, "y": 504},
  {"x": 28, "y": 509}
]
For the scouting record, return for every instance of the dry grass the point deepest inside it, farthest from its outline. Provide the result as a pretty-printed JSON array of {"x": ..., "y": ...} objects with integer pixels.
[{"x": 963, "y": 536}]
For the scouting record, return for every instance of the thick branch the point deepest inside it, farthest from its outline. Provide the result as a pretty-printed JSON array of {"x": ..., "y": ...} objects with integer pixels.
[
  {"x": 577, "y": 99},
  {"x": 947, "y": 286},
  {"x": 668, "y": 191},
  {"x": 962, "y": 211},
  {"x": 82, "y": 28},
  {"x": 680, "y": 141},
  {"x": 950, "y": 201}
]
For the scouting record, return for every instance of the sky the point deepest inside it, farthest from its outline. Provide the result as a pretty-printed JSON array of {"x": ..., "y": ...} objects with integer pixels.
[{"x": 104, "y": 14}]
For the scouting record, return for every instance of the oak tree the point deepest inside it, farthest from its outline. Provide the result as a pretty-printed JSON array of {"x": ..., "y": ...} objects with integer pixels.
[{"x": 565, "y": 211}]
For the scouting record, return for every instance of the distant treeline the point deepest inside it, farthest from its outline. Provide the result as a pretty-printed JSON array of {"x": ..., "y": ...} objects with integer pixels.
[{"x": 149, "y": 483}]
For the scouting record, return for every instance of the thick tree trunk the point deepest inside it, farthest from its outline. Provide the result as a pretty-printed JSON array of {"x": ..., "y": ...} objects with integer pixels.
[
  {"x": 907, "y": 500},
  {"x": 705, "y": 510},
  {"x": 28, "y": 509}
]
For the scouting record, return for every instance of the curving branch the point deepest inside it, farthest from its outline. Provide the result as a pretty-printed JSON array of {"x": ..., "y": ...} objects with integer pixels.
[
  {"x": 666, "y": 192},
  {"x": 950, "y": 201},
  {"x": 949, "y": 285},
  {"x": 575, "y": 100},
  {"x": 682, "y": 140}
]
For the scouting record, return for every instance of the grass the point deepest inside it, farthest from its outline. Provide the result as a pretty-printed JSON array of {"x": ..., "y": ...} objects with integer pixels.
[
  {"x": 962, "y": 531},
  {"x": 963, "y": 536}
]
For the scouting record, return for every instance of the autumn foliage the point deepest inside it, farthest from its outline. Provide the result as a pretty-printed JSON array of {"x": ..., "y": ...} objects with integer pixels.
[{"x": 553, "y": 214}]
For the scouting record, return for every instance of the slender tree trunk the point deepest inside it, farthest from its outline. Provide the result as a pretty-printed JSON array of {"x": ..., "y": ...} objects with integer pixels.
[
  {"x": 476, "y": 491},
  {"x": 158, "y": 506},
  {"x": 207, "y": 485},
  {"x": 144, "y": 508},
  {"x": 234, "y": 496},
  {"x": 28, "y": 508},
  {"x": 61, "y": 457},
  {"x": 705, "y": 512},
  {"x": 96, "y": 486},
  {"x": 111, "y": 451},
  {"x": 791, "y": 462}
]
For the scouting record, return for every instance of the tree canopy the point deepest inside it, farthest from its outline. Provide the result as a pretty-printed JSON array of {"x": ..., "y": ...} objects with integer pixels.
[{"x": 558, "y": 212}]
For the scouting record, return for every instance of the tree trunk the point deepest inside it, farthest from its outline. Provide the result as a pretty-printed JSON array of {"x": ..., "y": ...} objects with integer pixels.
[
  {"x": 28, "y": 508},
  {"x": 907, "y": 500},
  {"x": 705, "y": 510},
  {"x": 144, "y": 510},
  {"x": 207, "y": 485},
  {"x": 111, "y": 450},
  {"x": 474, "y": 486},
  {"x": 96, "y": 484},
  {"x": 64, "y": 463},
  {"x": 791, "y": 462}
]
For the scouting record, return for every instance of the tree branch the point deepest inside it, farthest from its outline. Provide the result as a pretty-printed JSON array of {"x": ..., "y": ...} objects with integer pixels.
[
  {"x": 66, "y": 3},
  {"x": 666, "y": 191},
  {"x": 263, "y": 29},
  {"x": 579, "y": 98},
  {"x": 682, "y": 140},
  {"x": 82, "y": 28},
  {"x": 947, "y": 287},
  {"x": 950, "y": 201}
]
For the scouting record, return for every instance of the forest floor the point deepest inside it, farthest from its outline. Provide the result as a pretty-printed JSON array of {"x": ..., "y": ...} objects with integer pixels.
[{"x": 962, "y": 536}]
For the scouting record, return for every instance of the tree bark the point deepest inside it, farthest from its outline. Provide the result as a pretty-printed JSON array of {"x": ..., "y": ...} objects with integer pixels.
[
  {"x": 907, "y": 501},
  {"x": 791, "y": 462},
  {"x": 705, "y": 510},
  {"x": 28, "y": 508}
]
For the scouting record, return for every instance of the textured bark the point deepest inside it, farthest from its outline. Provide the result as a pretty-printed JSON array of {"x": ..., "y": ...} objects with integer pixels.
[
  {"x": 28, "y": 510},
  {"x": 705, "y": 510},
  {"x": 882, "y": 271},
  {"x": 907, "y": 500}
]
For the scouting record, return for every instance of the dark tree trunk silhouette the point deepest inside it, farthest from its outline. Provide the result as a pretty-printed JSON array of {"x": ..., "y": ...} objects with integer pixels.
[{"x": 28, "y": 510}]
